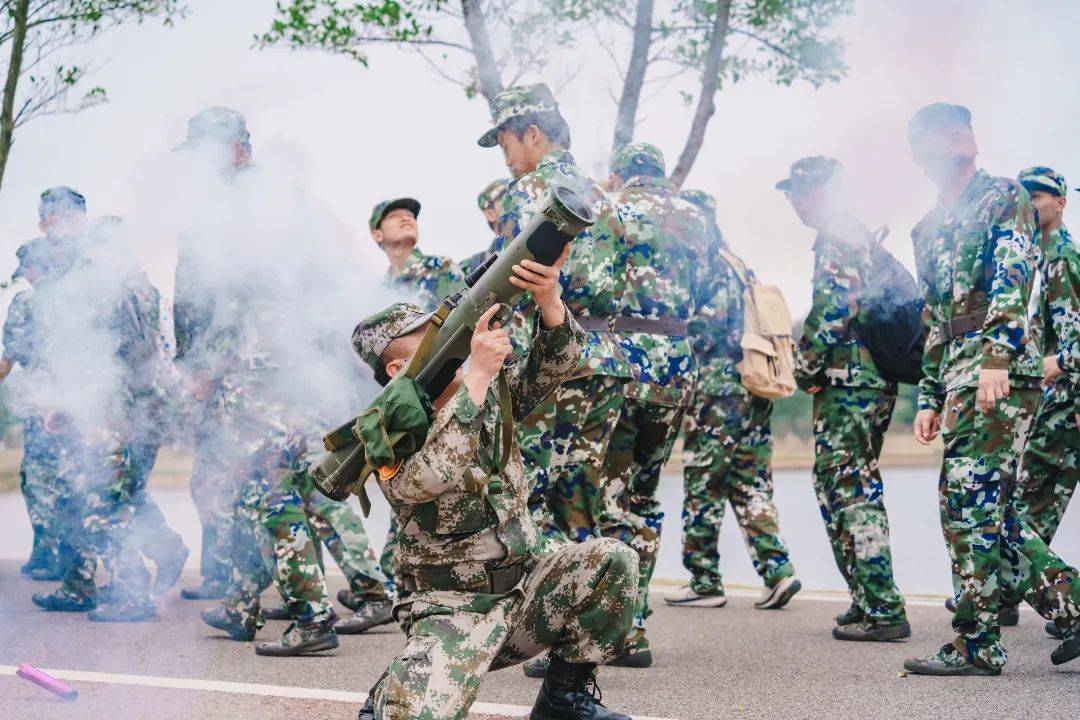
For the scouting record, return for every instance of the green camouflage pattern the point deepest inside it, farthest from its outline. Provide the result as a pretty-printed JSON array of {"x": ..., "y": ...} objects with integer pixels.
[
  {"x": 515, "y": 102},
  {"x": 1040, "y": 177},
  {"x": 427, "y": 279},
  {"x": 563, "y": 444},
  {"x": 809, "y": 172},
  {"x": 595, "y": 273},
  {"x": 446, "y": 530},
  {"x": 634, "y": 157},
  {"x": 640, "y": 446},
  {"x": 573, "y": 602},
  {"x": 727, "y": 457},
  {"x": 829, "y": 352},
  {"x": 492, "y": 193},
  {"x": 973, "y": 255},
  {"x": 374, "y": 333},
  {"x": 668, "y": 276},
  {"x": 341, "y": 531},
  {"x": 982, "y": 527},
  {"x": 849, "y": 429},
  {"x": 1059, "y": 308},
  {"x": 380, "y": 210}
]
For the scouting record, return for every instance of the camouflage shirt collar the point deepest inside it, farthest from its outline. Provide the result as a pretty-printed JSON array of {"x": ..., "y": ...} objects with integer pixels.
[
  {"x": 555, "y": 156},
  {"x": 974, "y": 190},
  {"x": 650, "y": 181},
  {"x": 415, "y": 259}
]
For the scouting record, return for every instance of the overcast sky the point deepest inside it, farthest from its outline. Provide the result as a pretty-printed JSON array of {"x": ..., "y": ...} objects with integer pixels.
[{"x": 359, "y": 135}]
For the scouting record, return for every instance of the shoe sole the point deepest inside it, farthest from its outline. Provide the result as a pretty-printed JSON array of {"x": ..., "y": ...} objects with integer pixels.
[
  {"x": 312, "y": 646},
  {"x": 232, "y": 632},
  {"x": 970, "y": 670},
  {"x": 538, "y": 672},
  {"x": 881, "y": 635},
  {"x": 641, "y": 659},
  {"x": 343, "y": 629},
  {"x": 706, "y": 601},
  {"x": 1068, "y": 650},
  {"x": 782, "y": 594}
]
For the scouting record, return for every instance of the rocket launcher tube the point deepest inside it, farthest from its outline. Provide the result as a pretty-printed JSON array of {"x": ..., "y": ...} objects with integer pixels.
[{"x": 562, "y": 217}]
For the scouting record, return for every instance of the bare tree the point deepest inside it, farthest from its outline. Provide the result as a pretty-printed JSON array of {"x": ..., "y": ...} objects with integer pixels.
[{"x": 34, "y": 31}]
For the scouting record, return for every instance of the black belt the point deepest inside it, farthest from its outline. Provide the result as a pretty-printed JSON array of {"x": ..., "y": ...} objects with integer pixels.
[
  {"x": 498, "y": 580},
  {"x": 622, "y": 324},
  {"x": 963, "y": 325}
]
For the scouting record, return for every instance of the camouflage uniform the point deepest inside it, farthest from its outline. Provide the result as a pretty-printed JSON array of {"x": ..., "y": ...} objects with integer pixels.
[
  {"x": 667, "y": 277},
  {"x": 851, "y": 413},
  {"x": 564, "y": 441},
  {"x": 976, "y": 256},
  {"x": 428, "y": 279},
  {"x": 575, "y": 601},
  {"x": 37, "y": 471},
  {"x": 1050, "y": 465},
  {"x": 727, "y": 445},
  {"x": 489, "y": 198}
]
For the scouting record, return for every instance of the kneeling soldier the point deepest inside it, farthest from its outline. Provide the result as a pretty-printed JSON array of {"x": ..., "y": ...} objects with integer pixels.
[{"x": 475, "y": 592}]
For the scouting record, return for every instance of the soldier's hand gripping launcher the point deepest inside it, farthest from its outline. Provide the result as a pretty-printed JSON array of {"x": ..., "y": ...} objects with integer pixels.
[{"x": 447, "y": 345}]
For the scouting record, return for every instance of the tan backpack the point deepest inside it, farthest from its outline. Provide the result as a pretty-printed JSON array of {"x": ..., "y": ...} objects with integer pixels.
[{"x": 768, "y": 364}]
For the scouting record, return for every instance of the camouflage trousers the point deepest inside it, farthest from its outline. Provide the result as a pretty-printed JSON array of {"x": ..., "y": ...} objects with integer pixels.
[
  {"x": 563, "y": 444},
  {"x": 576, "y": 601},
  {"x": 727, "y": 457},
  {"x": 982, "y": 526},
  {"x": 849, "y": 429},
  {"x": 40, "y": 487},
  {"x": 215, "y": 484},
  {"x": 1050, "y": 465},
  {"x": 386, "y": 557},
  {"x": 342, "y": 532},
  {"x": 642, "y": 442},
  {"x": 152, "y": 534}
]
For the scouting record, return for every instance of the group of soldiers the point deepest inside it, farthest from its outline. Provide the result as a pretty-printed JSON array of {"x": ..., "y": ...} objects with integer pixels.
[{"x": 634, "y": 335}]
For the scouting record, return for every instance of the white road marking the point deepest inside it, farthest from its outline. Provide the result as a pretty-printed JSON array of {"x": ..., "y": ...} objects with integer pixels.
[{"x": 282, "y": 691}]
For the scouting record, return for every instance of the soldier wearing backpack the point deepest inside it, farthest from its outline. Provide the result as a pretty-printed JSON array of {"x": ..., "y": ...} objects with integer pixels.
[{"x": 853, "y": 405}]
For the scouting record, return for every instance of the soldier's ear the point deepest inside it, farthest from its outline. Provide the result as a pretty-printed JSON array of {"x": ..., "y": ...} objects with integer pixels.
[
  {"x": 376, "y": 235},
  {"x": 394, "y": 366}
]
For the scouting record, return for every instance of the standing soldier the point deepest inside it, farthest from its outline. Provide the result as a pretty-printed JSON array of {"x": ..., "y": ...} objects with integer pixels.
[
  {"x": 853, "y": 404},
  {"x": 395, "y": 228},
  {"x": 667, "y": 278},
  {"x": 975, "y": 257},
  {"x": 728, "y": 445},
  {"x": 566, "y": 438},
  {"x": 490, "y": 203},
  {"x": 37, "y": 472},
  {"x": 1050, "y": 464},
  {"x": 198, "y": 335}
]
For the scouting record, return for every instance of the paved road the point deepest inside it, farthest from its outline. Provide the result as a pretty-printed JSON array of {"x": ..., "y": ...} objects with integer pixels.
[{"x": 734, "y": 662}]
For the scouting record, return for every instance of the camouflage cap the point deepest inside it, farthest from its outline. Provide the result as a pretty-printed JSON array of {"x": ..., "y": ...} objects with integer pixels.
[
  {"x": 702, "y": 199},
  {"x": 516, "y": 102},
  {"x": 374, "y": 333},
  {"x": 216, "y": 124},
  {"x": 1040, "y": 177},
  {"x": 809, "y": 172},
  {"x": 935, "y": 117},
  {"x": 635, "y": 158},
  {"x": 491, "y": 194},
  {"x": 381, "y": 209},
  {"x": 60, "y": 200}
]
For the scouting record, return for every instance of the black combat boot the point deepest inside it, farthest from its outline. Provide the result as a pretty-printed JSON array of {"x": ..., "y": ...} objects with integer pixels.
[
  {"x": 301, "y": 639},
  {"x": 368, "y": 711},
  {"x": 237, "y": 628},
  {"x": 1069, "y": 649},
  {"x": 566, "y": 694},
  {"x": 1052, "y": 630},
  {"x": 851, "y": 616}
]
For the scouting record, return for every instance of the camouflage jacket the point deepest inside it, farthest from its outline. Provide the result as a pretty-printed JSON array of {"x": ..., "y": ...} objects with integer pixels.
[
  {"x": 429, "y": 277},
  {"x": 594, "y": 275},
  {"x": 447, "y": 533},
  {"x": 20, "y": 342},
  {"x": 717, "y": 326},
  {"x": 1059, "y": 307},
  {"x": 977, "y": 255},
  {"x": 829, "y": 352},
  {"x": 136, "y": 324},
  {"x": 667, "y": 278},
  {"x": 193, "y": 307}
]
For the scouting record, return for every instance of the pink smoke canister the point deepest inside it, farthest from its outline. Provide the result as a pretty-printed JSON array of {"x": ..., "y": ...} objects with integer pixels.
[{"x": 44, "y": 680}]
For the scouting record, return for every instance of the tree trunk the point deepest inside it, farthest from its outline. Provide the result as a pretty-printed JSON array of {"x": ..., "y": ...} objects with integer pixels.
[
  {"x": 710, "y": 78},
  {"x": 635, "y": 75},
  {"x": 20, "y": 13},
  {"x": 487, "y": 71}
]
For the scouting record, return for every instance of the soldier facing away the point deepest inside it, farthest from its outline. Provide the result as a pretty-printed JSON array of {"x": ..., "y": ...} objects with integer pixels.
[
  {"x": 853, "y": 405},
  {"x": 728, "y": 446},
  {"x": 975, "y": 257},
  {"x": 477, "y": 592}
]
